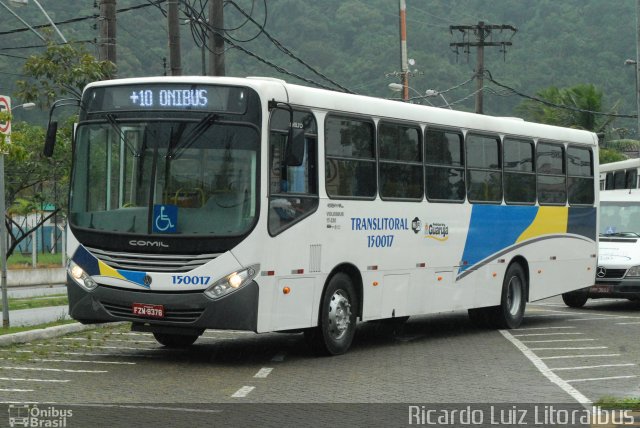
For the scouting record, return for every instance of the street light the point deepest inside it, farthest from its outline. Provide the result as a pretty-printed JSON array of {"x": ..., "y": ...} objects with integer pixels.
[
  {"x": 397, "y": 87},
  {"x": 434, "y": 93},
  {"x": 24, "y": 2},
  {"x": 3, "y": 231}
]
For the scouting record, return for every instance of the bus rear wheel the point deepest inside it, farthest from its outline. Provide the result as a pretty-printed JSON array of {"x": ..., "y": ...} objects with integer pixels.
[
  {"x": 337, "y": 322},
  {"x": 510, "y": 312},
  {"x": 175, "y": 340},
  {"x": 514, "y": 291}
]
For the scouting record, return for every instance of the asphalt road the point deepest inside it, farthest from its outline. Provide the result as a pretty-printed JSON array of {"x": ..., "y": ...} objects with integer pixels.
[{"x": 560, "y": 356}]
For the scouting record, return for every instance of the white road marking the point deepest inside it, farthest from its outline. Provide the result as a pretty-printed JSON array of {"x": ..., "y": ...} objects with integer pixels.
[
  {"x": 263, "y": 372},
  {"x": 243, "y": 392},
  {"x": 19, "y": 379},
  {"x": 43, "y": 369},
  {"x": 628, "y": 323},
  {"x": 51, "y": 360},
  {"x": 602, "y": 318},
  {"x": 593, "y": 367},
  {"x": 557, "y": 340},
  {"x": 600, "y": 378},
  {"x": 544, "y": 369},
  {"x": 569, "y": 349},
  {"x": 557, "y": 357},
  {"x": 15, "y": 390},
  {"x": 132, "y": 406},
  {"x": 101, "y": 340},
  {"x": 545, "y": 328},
  {"x": 544, "y": 334}
]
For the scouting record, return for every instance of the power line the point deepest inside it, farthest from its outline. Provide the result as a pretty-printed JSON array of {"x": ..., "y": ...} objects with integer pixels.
[
  {"x": 481, "y": 31},
  {"x": 200, "y": 21},
  {"x": 550, "y": 104},
  {"x": 83, "y": 18}
]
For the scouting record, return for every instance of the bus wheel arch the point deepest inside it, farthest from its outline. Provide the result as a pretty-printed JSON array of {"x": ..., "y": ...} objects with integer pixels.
[
  {"x": 513, "y": 298},
  {"x": 515, "y": 291},
  {"x": 338, "y": 312}
]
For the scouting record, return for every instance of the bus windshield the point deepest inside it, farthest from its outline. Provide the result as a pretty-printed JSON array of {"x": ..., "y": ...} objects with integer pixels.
[
  {"x": 182, "y": 177},
  {"x": 620, "y": 219}
]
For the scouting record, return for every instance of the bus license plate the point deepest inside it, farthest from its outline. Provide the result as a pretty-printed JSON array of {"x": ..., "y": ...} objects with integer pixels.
[{"x": 146, "y": 310}]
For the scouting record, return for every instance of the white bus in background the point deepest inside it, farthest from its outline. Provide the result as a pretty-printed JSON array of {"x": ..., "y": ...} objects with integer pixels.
[
  {"x": 254, "y": 204},
  {"x": 619, "y": 175},
  {"x": 618, "y": 271}
]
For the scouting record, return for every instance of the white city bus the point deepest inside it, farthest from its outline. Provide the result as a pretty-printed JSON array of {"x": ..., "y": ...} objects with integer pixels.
[
  {"x": 619, "y": 175},
  {"x": 254, "y": 204}
]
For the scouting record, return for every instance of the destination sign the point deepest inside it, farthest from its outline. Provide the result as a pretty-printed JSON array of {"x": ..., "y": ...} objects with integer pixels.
[{"x": 170, "y": 96}]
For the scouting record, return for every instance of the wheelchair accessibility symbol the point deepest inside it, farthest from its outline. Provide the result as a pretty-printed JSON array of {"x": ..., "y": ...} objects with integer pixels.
[{"x": 165, "y": 218}]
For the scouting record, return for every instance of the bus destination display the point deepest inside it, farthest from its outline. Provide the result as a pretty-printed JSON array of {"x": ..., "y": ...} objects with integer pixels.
[{"x": 169, "y": 98}]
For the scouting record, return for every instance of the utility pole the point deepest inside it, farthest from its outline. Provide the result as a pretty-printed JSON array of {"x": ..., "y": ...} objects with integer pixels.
[
  {"x": 482, "y": 32},
  {"x": 638, "y": 70},
  {"x": 216, "y": 27},
  {"x": 107, "y": 43},
  {"x": 404, "y": 66},
  {"x": 174, "y": 38}
]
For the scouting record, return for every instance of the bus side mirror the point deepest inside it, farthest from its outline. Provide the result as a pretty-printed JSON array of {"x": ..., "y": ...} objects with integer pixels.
[
  {"x": 294, "y": 151},
  {"x": 50, "y": 140}
]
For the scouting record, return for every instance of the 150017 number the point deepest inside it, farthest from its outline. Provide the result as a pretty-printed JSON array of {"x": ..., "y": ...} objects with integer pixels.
[
  {"x": 379, "y": 241},
  {"x": 190, "y": 280}
]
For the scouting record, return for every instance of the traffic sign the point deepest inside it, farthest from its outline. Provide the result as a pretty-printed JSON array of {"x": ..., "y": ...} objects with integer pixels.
[{"x": 5, "y": 105}]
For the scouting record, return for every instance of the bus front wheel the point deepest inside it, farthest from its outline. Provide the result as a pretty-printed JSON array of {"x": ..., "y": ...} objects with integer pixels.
[
  {"x": 575, "y": 299},
  {"x": 175, "y": 340},
  {"x": 337, "y": 320}
]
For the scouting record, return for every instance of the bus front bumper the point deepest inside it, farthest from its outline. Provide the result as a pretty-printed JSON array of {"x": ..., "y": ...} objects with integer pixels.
[
  {"x": 625, "y": 288},
  {"x": 190, "y": 310}
]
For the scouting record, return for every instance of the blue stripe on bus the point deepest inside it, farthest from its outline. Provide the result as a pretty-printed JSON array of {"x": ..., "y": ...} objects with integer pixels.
[{"x": 493, "y": 228}]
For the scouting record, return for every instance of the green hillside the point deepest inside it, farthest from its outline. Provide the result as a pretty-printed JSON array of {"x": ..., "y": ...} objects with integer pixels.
[{"x": 356, "y": 44}]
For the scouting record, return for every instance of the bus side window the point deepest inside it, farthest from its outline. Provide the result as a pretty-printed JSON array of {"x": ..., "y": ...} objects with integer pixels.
[
  {"x": 293, "y": 190},
  {"x": 552, "y": 181}
]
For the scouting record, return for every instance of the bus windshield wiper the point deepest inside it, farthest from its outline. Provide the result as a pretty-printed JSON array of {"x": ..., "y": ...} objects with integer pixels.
[
  {"x": 196, "y": 132},
  {"x": 114, "y": 124}
]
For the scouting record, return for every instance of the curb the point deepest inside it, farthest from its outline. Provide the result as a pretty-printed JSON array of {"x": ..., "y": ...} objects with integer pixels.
[{"x": 49, "y": 332}]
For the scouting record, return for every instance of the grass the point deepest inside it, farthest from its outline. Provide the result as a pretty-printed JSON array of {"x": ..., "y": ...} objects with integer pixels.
[
  {"x": 38, "y": 302},
  {"x": 12, "y": 330},
  {"x": 631, "y": 403},
  {"x": 44, "y": 260}
]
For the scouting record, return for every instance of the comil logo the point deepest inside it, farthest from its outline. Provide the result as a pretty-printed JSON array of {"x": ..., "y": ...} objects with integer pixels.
[{"x": 24, "y": 415}]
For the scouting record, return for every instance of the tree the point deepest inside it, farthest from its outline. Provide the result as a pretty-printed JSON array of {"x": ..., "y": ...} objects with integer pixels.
[
  {"x": 32, "y": 179},
  {"x": 61, "y": 71},
  {"x": 576, "y": 107}
]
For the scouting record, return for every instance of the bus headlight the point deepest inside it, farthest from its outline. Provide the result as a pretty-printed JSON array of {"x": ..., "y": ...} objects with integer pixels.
[
  {"x": 80, "y": 277},
  {"x": 232, "y": 282},
  {"x": 633, "y": 271}
]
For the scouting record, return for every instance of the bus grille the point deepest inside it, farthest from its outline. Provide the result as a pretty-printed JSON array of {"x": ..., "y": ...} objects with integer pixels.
[
  {"x": 613, "y": 273},
  {"x": 152, "y": 262},
  {"x": 173, "y": 315}
]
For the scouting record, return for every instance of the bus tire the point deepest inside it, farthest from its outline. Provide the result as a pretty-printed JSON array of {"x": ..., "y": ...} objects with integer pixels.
[
  {"x": 176, "y": 340},
  {"x": 337, "y": 319},
  {"x": 575, "y": 299},
  {"x": 510, "y": 312}
]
